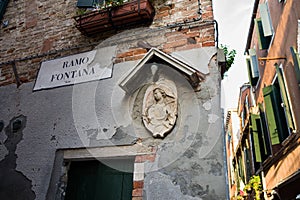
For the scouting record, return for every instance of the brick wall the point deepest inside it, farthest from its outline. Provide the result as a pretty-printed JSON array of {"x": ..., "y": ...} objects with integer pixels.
[{"x": 41, "y": 30}]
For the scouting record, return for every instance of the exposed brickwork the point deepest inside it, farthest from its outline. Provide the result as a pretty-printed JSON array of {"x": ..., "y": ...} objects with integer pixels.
[
  {"x": 190, "y": 38},
  {"x": 138, "y": 184},
  {"x": 7, "y": 76},
  {"x": 131, "y": 54},
  {"x": 144, "y": 158},
  {"x": 137, "y": 192},
  {"x": 137, "y": 198},
  {"x": 43, "y": 30}
]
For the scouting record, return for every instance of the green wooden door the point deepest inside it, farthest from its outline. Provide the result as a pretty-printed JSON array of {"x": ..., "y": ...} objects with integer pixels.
[
  {"x": 119, "y": 184},
  {"x": 92, "y": 180}
]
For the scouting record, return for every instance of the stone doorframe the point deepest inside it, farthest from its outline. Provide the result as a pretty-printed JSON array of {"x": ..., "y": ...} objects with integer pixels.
[{"x": 140, "y": 153}]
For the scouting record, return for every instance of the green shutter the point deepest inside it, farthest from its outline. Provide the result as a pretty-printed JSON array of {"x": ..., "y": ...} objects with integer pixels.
[
  {"x": 275, "y": 118},
  {"x": 265, "y": 19},
  {"x": 85, "y": 3},
  {"x": 266, "y": 148},
  {"x": 263, "y": 41},
  {"x": 241, "y": 168},
  {"x": 284, "y": 97},
  {"x": 3, "y": 5},
  {"x": 296, "y": 63},
  {"x": 256, "y": 134},
  {"x": 247, "y": 163}
]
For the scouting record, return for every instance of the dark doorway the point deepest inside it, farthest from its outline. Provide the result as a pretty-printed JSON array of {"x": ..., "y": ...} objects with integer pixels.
[{"x": 91, "y": 180}]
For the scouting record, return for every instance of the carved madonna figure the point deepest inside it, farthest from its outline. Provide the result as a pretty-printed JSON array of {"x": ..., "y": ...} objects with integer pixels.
[{"x": 160, "y": 108}]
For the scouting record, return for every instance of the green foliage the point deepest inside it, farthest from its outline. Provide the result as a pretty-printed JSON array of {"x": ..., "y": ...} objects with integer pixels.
[
  {"x": 113, "y": 3},
  {"x": 109, "y": 3},
  {"x": 254, "y": 186},
  {"x": 80, "y": 11},
  {"x": 230, "y": 55}
]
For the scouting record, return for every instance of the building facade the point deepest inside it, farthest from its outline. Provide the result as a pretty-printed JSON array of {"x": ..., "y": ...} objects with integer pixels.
[
  {"x": 110, "y": 101},
  {"x": 232, "y": 134},
  {"x": 273, "y": 121}
]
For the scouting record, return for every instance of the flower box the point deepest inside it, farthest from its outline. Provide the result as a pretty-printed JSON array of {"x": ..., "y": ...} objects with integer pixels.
[{"x": 114, "y": 18}]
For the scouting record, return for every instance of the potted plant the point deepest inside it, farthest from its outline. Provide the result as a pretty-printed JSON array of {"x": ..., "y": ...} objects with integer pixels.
[
  {"x": 114, "y": 14},
  {"x": 254, "y": 185}
]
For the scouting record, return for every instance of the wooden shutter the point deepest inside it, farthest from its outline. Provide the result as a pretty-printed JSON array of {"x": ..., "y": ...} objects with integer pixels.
[
  {"x": 85, "y": 3},
  {"x": 252, "y": 80},
  {"x": 275, "y": 117},
  {"x": 3, "y": 5},
  {"x": 284, "y": 96},
  {"x": 263, "y": 41},
  {"x": 265, "y": 19},
  {"x": 296, "y": 61},
  {"x": 247, "y": 163},
  {"x": 265, "y": 148},
  {"x": 241, "y": 168},
  {"x": 255, "y": 134},
  {"x": 254, "y": 63}
]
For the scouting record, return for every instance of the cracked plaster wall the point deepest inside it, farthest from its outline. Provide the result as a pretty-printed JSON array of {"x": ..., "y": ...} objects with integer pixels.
[{"x": 189, "y": 161}]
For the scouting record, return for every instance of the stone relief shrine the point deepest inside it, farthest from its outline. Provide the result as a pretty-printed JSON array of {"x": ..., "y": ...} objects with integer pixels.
[
  {"x": 155, "y": 78},
  {"x": 160, "y": 108}
]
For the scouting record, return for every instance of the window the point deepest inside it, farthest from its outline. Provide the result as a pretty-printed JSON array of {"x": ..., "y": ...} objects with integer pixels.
[
  {"x": 245, "y": 112},
  {"x": 88, "y": 3},
  {"x": 263, "y": 41},
  {"x": 241, "y": 171},
  {"x": 264, "y": 27},
  {"x": 247, "y": 161},
  {"x": 3, "y": 5},
  {"x": 91, "y": 180}
]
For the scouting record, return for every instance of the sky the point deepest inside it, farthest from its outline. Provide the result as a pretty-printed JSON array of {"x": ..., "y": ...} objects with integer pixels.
[{"x": 233, "y": 17}]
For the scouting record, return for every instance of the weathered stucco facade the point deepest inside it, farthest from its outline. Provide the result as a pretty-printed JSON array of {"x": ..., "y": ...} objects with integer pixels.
[{"x": 44, "y": 130}]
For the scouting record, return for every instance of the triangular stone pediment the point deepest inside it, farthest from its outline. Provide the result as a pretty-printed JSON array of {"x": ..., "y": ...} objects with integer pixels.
[{"x": 133, "y": 79}]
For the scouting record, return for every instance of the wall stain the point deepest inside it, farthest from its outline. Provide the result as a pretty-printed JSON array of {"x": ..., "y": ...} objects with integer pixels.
[
  {"x": 216, "y": 169},
  {"x": 14, "y": 185}
]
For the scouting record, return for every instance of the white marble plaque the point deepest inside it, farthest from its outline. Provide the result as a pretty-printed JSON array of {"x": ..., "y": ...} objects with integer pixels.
[{"x": 79, "y": 68}]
